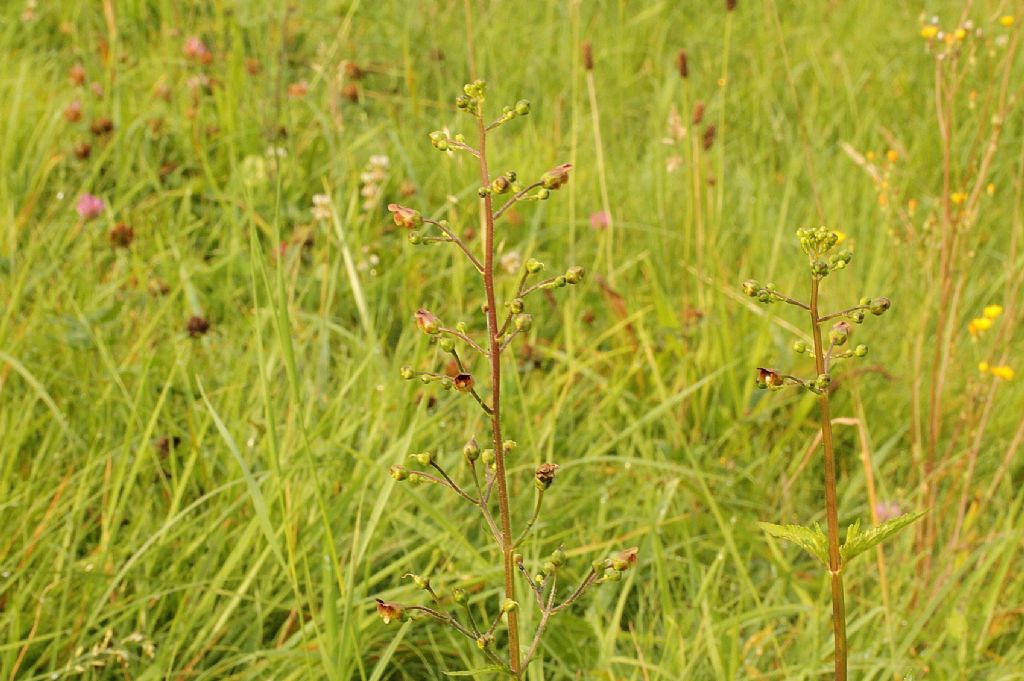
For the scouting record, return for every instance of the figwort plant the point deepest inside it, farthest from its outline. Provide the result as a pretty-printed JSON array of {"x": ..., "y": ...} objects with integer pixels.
[
  {"x": 821, "y": 247},
  {"x": 454, "y": 609}
]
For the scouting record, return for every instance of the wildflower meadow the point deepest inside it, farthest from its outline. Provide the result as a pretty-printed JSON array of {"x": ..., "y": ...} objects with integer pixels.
[{"x": 576, "y": 340}]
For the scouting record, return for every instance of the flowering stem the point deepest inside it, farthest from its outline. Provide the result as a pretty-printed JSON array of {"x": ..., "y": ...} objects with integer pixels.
[
  {"x": 835, "y": 567},
  {"x": 458, "y": 242},
  {"x": 532, "y": 520},
  {"x": 464, "y": 338},
  {"x": 843, "y": 313},
  {"x": 518, "y": 195},
  {"x": 495, "y": 413}
]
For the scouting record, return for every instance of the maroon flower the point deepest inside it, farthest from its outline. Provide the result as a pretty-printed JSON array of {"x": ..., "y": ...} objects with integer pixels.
[
  {"x": 556, "y": 177},
  {"x": 389, "y": 611},
  {"x": 427, "y": 322},
  {"x": 405, "y": 217},
  {"x": 463, "y": 382}
]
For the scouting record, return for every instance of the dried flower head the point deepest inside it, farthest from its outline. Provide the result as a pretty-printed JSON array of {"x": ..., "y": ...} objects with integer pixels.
[
  {"x": 681, "y": 64},
  {"x": 121, "y": 235},
  {"x": 544, "y": 475},
  {"x": 197, "y": 326},
  {"x": 588, "y": 56}
]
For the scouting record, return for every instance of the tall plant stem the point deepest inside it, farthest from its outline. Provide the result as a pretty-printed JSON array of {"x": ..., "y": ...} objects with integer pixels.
[
  {"x": 495, "y": 357},
  {"x": 835, "y": 567}
]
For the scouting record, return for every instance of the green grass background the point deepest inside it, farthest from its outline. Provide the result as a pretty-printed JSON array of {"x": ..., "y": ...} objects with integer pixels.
[{"x": 254, "y": 549}]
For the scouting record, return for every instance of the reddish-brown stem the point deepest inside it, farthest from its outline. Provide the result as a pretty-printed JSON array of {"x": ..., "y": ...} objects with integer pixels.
[
  {"x": 835, "y": 567},
  {"x": 495, "y": 357}
]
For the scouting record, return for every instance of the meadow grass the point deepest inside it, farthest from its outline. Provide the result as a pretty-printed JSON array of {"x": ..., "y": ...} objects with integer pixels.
[{"x": 255, "y": 546}]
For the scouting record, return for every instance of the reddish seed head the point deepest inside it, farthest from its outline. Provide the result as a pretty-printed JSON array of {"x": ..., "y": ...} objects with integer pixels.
[
  {"x": 709, "y": 137},
  {"x": 82, "y": 150},
  {"x": 73, "y": 112},
  {"x": 588, "y": 56},
  {"x": 350, "y": 92},
  {"x": 544, "y": 475},
  {"x": 698, "y": 112},
  {"x": 353, "y": 71},
  {"x": 681, "y": 64},
  {"x": 730, "y": 5},
  {"x": 197, "y": 326},
  {"x": 298, "y": 90},
  {"x": 121, "y": 236},
  {"x": 77, "y": 74},
  {"x": 101, "y": 126},
  {"x": 253, "y": 66}
]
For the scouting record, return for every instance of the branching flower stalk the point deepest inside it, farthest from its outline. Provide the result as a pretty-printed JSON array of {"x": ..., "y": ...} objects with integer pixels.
[
  {"x": 487, "y": 468},
  {"x": 821, "y": 247}
]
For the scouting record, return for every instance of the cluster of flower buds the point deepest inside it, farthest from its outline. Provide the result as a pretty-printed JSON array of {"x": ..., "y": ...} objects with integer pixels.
[
  {"x": 765, "y": 293},
  {"x": 472, "y": 99},
  {"x": 613, "y": 567},
  {"x": 550, "y": 567},
  {"x": 818, "y": 243},
  {"x": 508, "y": 113}
]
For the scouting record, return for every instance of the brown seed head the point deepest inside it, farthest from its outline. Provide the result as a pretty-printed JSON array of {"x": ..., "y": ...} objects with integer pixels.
[
  {"x": 121, "y": 235},
  {"x": 698, "y": 112},
  {"x": 545, "y": 475},
  {"x": 709, "y": 137},
  {"x": 197, "y": 326},
  {"x": 588, "y": 56},
  {"x": 682, "y": 65},
  {"x": 389, "y": 611},
  {"x": 463, "y": 382}
]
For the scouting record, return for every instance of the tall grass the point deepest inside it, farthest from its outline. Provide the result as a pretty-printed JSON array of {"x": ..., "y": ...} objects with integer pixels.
[{"x": 253, "y": 548}]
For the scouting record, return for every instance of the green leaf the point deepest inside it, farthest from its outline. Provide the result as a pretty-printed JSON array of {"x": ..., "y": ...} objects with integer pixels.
[
  {"x": 474, "y": 672},
  {"x": 810, "y": 540},
  {"x": 857, "y": 542}
]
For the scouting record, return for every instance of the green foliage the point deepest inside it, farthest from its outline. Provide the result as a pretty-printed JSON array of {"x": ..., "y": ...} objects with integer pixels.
[
  {"x": 857, "y": 541},
  {"x": 811, "y": 540}
]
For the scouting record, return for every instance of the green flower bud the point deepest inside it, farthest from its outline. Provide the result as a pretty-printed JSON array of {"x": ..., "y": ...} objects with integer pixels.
[
  {"x": 524, "y": 322},
  {"x": 857, "y": 317},
  {"x": 839, "y": 334},
  {"x": 819, "y": 268},
  {"x": 471, "y": 450},
  {"x": 421, "y": 582},
  {"x": 399, "y": 473},
  {"x": 483, "y": 191},
  {"x": 446, "y": 344},
  {"x": 484, "y": 641},
  {"x": 509, "y": 445},
  {"x": 501, "y": 185},
  {"x": 599, "y": 564},
  {"x": 560, "y": 281},
  {"x": 799, "y": 346},
  {"x": 549, "y": 568},
  {"x": 538, "y": 579},
  {"x": 865, "y": 302},
  {"x": 880, "y": 305},
  {"x": 522, "y": 107},
  {"x": 543, "y": 194},
  {"x": 611, "y": 576},
  {"x": 459, "y": 595},
  {"x": 407, "y": 373},
  {"x": 487, "y": 456},
  {"x": 823, "y": 381},
  {"x": 423, "y": 458},
  {"x": 415, "y": 238},
  {"x": 861, "y": 350},
  {"x": 516, "y": 305},
  {"x": 508, "y": 605},
  {"x": 534, "y": 266},
  {"x": 558, "y": 557},
  {"x": 751, "y": 287},
  {"x": 574, "y": 275}
]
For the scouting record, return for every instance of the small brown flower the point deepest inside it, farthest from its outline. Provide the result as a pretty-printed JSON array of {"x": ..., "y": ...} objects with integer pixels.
[
  {"x": 557, "y": 176},
  {"x": 698, "y": 112},
  {"x": 82, "y": 150},
  {"x": 197, "y": 326},
  {"x": 77, "y": 74},
  {"x": 253, "y": 66},
  {"x": 463, "y": 382},
  {"x": 769, "y": 378},
  {"x": 389, "y": 611},
  {"x": 403, "y": 216},
  {"x": 588, "y": 56},
  {"x": 166, "y": 443},
  {"x": 101, "y": 126},
  {"x": 682, "y": 65},
  {"x": 298, "y": 90},
  {"x": 350, "y": 92},
  {"x": 544, "y": 475},
  {"x": 427, "y": 322},
  {"x": 709, "y": 137},
  {"x": 730, "y": 5},
  {"x": 158, "y": 287},
  {"x": 73, "y": 112},
  {"x": 623, "y": 560},
  {"x": 121, "y": 235}
]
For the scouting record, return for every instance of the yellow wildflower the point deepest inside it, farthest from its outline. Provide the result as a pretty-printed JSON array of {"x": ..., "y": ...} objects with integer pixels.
[
  {"x": 929, "y": 32},
  {"x": 960, "y": 33},
  {"x": 1003, "y": 372},
  {"x": 1006, "y": 20},
  {"x": 958, "y": 197},
  {"x": 892, "y": 155},
  {"x": 979, "y": 325},
  {"x": 983, "y": 367},
  {"x": 992, "y": 311},
  {"x": 870, "y": 156},
  {"x": 911, "y": 206},
  {"x": 840, "y": 236},
  {"x": 990, "y": 189}
]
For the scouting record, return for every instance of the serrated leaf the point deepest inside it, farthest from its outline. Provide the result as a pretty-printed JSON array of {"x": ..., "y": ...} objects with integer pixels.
[
  {"x": 810, "y": 540},
  {"x": 857, "y": 541}
]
